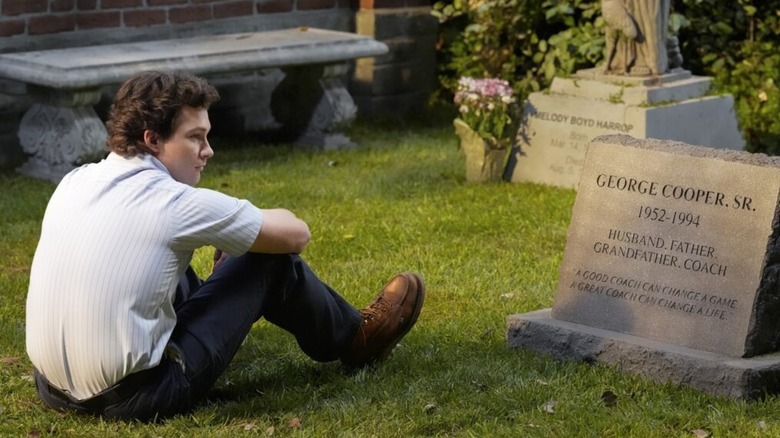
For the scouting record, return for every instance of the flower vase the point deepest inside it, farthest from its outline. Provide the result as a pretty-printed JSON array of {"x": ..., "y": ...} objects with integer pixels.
[{"x": 483, "y": 162}]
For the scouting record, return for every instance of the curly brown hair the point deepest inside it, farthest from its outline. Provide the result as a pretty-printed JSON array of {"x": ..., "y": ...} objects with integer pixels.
[{"x": 152, "y": 100}]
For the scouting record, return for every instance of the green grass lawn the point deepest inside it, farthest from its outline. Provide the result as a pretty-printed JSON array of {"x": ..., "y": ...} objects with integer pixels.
[{"x": 398, "y": 202}]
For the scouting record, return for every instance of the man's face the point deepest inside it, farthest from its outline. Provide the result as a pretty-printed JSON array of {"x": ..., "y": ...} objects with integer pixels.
[{"x": 185, "y": 153}]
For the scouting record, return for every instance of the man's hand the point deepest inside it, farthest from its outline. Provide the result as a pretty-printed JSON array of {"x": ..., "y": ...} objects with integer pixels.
[{"x": 219, "y": 258}]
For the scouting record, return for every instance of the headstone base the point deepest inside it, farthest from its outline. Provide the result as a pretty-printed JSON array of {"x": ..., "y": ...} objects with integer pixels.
[{"x": 659, "y": 361}]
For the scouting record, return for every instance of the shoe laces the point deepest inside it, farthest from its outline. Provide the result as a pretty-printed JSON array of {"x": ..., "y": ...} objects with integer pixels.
[{"x": 374, "y": 310}]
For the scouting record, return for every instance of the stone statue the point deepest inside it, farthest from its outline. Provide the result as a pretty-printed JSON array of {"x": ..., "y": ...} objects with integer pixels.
[{"x": 636, "y": 36}]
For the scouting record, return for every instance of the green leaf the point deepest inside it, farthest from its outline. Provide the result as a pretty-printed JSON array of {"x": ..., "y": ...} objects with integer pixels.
[
  {"x": 723, "y": 28},
  {"x": 718, "y": 64},
  {"x": 708, "y": 58}
]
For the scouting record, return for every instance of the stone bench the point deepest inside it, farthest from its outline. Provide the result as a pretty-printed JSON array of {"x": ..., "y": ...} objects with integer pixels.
[{"x": 61, "y": 129}]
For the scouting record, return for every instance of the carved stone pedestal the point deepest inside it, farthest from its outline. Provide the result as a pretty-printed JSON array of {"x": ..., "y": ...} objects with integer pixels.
[
  {"x": 313, "y": 105},
  {"x": 61, "y": 132}
]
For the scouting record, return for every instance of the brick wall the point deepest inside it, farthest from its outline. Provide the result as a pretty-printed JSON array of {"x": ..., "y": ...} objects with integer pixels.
[
  {"x": 392, "y": 4},
  {"x": 36, "y": 24},
  {"x": 400, "y": 82}
]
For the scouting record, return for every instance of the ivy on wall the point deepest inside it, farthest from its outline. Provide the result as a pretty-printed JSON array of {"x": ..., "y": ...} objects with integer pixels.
[{"x": 528, "y": 42}]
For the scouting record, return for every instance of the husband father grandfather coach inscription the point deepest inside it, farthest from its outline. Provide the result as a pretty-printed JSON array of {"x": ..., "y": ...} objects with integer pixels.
[{"x": 668, "y": 242}]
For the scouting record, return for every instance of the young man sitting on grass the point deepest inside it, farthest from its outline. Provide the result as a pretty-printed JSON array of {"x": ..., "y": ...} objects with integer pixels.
[{"x": 119, "y": 325}]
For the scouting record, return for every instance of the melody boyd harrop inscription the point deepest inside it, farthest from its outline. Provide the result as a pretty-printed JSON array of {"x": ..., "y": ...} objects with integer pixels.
[
  {"x": 667, "y": 246},
  {"x": 586, "y": 122},
  {"x": 571, "y": 135}
]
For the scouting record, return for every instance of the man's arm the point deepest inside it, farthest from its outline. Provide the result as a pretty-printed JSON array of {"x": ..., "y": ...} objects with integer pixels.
[{"x": 281, "y": 233}]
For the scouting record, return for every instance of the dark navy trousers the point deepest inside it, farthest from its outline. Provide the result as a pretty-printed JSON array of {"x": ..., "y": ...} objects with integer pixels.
[{"x": 213, "y": 319}]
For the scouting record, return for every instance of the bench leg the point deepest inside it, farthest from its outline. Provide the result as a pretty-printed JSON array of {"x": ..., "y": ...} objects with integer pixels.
[
  {"x": 313, "y": 105},
  {"x": 60, "y": 138}
]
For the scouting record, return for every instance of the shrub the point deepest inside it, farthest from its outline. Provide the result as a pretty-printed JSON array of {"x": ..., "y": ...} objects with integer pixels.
[
  {"x": 525, "y": 42},
  {"x": 735, "y": 42}
]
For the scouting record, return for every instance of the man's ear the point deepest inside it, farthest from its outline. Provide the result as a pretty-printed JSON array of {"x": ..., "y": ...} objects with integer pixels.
[{"x": 152, "y": 141}]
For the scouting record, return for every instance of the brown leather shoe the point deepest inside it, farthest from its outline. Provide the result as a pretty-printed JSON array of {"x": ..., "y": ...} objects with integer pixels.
[{"x": 386, "y": 320}]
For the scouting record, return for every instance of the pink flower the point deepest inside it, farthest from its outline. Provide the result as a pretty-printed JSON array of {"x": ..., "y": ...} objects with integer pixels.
[{"x": 488, "y": 106}]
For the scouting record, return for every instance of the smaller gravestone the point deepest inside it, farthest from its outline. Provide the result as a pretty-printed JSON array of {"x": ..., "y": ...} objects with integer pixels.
[
  {"x": 558, "y": 123},
  {"x": 671, "y": 267}
]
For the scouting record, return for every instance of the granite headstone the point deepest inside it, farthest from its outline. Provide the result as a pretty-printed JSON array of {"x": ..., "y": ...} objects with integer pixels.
[{"x": 671, "y": 267}]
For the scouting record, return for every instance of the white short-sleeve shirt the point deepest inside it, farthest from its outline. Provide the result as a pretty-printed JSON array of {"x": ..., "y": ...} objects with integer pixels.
[{"x": 115, "y": 238}]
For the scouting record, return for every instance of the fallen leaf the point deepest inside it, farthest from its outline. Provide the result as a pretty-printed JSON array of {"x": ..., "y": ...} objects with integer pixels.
[
  {"x": 762, "y": 424},
  {"x": 507, "y": 296},
  {"x": 609, "y": 398},
  {"x": 541, "y": 382},
  {"x": 700, "y": 433},
  {"x": 295, "y": 423},
  {"x": 10, "y": 360},
  {"x": 481, "y": 387},
  {"x": 249, "y": 426},
  {"x": 270, "y": 431},
  {"x": 549, "y": 407},
  {"x": 33, "y": 434},
  {"x": 430, "y": 407}
]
